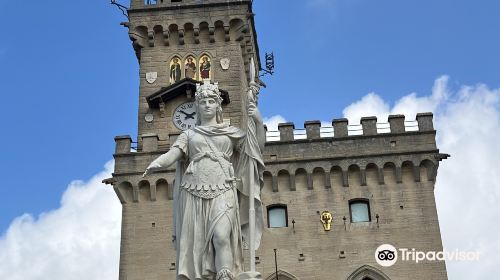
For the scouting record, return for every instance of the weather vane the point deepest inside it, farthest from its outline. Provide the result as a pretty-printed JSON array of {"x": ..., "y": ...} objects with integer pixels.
[
  {"x": 122, "y": 8},
  {"x": 269, "y": 64}
]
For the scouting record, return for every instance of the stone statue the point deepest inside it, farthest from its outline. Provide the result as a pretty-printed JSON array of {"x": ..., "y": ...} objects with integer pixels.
[{"x": 217, "y": 165}]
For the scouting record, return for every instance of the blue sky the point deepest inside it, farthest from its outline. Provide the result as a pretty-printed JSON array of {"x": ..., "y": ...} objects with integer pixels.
[{"x": 69, "y": 76}]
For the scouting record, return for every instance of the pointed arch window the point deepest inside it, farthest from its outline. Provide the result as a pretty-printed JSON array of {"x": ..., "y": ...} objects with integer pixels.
[
  {"x": 175, "y": 70},
  {"x": 367, "y": 272},
  {"x": 205, "y": 67}
]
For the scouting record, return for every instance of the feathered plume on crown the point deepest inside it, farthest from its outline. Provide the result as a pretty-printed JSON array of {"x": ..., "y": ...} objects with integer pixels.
[{"x": 207, "y": 89}]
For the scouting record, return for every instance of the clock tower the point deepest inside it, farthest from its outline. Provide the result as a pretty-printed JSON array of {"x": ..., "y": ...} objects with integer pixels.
[{"x": 179, "y": 43}]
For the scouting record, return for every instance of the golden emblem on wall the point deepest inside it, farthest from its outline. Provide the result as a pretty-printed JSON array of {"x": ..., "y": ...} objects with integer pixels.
[{"x": 326, "y": 219}]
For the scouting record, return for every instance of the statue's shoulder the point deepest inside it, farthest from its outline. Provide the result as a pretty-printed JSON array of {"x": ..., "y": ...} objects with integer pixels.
[{"x": 186, "y": 134}]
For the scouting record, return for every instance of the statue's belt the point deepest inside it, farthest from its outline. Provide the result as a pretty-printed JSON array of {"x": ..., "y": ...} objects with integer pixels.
[{"x": 215, "y": 156}]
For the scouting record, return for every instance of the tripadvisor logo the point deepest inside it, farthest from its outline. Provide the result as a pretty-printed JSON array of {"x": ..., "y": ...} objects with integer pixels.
[{"x": 386, "y": 255}]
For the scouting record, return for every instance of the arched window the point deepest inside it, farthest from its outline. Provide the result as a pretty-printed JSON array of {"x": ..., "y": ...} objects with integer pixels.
[
  {"x": 205, "y": 67},
  {"x": 367, "y": 272},
  {"x": 175, "y": 70},
  {"x": 277, "y": 216},
  {"x": 282, "y": 275},
  {"x": 359, "y": 209}
]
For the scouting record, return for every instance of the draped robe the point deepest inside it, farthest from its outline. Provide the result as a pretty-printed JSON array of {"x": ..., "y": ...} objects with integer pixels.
[{"x": 213, "y": 183}]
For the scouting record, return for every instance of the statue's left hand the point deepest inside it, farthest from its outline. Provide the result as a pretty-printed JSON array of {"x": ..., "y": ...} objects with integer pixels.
[
  {"x": 254, "y": 113},
  {"x": 253, "y": 91}
]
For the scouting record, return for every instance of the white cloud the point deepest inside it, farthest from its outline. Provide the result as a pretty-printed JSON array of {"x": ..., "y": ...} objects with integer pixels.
[
  {"x": 467, "y": 190},
  {"x": 272, "y": 127},
  {"x": 409, "y": 105},
  {"x": 370, "y": 105},
  {"x": 79, "y": 240},
  {"x": 273, "y": 121}
]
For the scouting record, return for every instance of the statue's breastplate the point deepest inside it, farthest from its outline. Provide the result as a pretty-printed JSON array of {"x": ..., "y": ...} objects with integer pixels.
[{"x": 209, "y": 173}]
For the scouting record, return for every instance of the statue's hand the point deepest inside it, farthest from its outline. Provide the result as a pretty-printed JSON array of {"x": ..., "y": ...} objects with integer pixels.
[
  {"x": 254, "y": 113},
  {"x": 253, "y": 92},
  {"x": 150, "y": 167}
]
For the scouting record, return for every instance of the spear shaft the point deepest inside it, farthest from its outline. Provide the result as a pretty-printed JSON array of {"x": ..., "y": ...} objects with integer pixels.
[{"x": 251, "y": 196}]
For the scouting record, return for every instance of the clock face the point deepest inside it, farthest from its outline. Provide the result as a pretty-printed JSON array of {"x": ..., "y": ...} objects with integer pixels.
[{"x": 184, "y": 116}]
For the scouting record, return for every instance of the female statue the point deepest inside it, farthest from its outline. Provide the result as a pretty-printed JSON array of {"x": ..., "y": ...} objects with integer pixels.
[{"x": 208, "y": 199}]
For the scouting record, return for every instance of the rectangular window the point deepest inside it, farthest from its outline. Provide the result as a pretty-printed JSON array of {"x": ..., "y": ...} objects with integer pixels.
[
  {"x": 360, "y": 211},
  {"x": 277, "y": 216}
]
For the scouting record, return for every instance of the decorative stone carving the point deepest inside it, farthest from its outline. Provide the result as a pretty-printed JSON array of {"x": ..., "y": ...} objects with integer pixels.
[
  {"x": 151, "y": 77},
  {"x": 224, "y": 63}
]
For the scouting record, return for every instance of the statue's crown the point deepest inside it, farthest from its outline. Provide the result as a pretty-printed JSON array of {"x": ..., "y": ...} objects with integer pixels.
[{"x": 207, "y": 89}]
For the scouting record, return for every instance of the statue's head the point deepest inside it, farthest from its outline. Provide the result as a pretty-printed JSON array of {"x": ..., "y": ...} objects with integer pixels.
[{"x": 208, "y": 92}]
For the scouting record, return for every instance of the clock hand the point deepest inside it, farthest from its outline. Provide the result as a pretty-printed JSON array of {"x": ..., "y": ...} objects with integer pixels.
[
  {"x": 186, "y": 114},
  {"x": 190, "y": 116}
]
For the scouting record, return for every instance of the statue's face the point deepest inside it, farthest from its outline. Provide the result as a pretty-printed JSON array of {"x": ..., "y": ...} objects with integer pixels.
[{"x": 207, "y": 107}]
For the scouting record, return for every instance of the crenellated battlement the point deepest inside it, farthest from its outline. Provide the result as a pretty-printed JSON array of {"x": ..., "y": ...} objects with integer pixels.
[
  {"x": 340, "y": 128},
  {"x": 313, "y": 130},
  {"x": 342, "y": 149}
]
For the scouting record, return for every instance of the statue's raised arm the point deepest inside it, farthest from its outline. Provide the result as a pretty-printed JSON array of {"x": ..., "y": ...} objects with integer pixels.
[{"x": 253, "y": 112}]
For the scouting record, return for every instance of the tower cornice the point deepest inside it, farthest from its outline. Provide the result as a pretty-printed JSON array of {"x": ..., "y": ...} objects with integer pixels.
[{"x": 179, "y": 6}]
